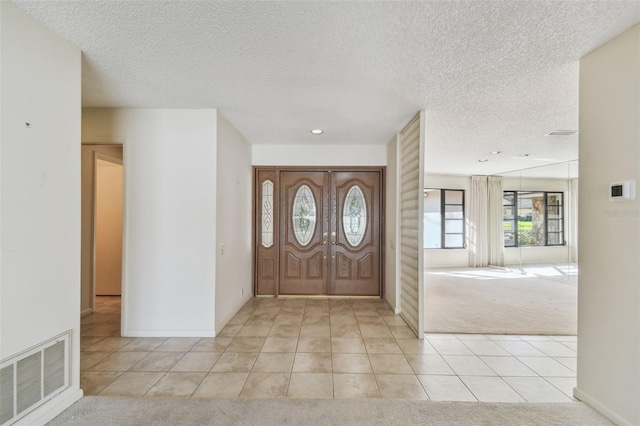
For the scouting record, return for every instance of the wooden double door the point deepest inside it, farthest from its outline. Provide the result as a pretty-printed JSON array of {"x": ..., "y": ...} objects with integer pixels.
[{"x": 328, "y": 235}]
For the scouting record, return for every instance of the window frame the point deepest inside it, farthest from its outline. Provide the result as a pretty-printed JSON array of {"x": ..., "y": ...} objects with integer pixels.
[
  {"x": 444, "y": 220},
  {"x": 561, "y": 219}
]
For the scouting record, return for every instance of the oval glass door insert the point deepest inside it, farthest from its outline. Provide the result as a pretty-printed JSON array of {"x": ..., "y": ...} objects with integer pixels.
[
  {"x": 304, "y": 215},
  {"x": 354, "y": 216}
]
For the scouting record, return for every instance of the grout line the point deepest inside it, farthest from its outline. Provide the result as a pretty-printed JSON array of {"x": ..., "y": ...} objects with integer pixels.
[{"x": 305, "y": 312}]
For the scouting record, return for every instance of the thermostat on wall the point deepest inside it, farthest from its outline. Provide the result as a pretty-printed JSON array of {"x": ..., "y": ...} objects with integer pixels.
[{"x": 622, "y": 191}]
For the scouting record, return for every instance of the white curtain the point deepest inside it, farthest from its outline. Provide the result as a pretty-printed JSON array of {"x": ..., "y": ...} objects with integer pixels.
[
  {"x": 494, "y": 223},
  {"x": 478, "y": 222},
  {"x": 573, "y": 220}
]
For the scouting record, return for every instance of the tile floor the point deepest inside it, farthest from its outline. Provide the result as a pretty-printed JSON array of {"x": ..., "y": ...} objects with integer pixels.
[{"x": 320, "y": 348}]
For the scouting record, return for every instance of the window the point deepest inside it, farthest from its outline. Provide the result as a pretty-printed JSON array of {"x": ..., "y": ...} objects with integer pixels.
[
  {"x": 533, "y": 218},
  {"x": 444, "y": 218}
]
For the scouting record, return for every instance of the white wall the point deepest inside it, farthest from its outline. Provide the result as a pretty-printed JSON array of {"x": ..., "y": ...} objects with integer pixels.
[
  {"x": 392, "y": 283},
  {"x": 609, "y": 243},
  {"x": 170, "y": 216},
  {"x": 233, "y": 223},
  {"x": 319, "y": 155},
  {"x": 40, "y": 193},
  {"x": 437, "y": 258}
]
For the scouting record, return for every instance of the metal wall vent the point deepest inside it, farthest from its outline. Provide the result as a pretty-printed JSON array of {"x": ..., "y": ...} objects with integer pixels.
[{"x": 32, "y": 377}]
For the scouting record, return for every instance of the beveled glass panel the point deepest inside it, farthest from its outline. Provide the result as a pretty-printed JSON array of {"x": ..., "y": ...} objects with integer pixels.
[
  {"x": 354, "y": 215},
  {"x": 507, "y": 199},
  {"x": 267, "y": 214},
  {"x": 453, "y": 197},
  {"x": 554, "y": 212},
  {"x": 304, "y": 215},
  {"x": 453, "y": 212},
  {"x": 453, "y": 226},
  {"x": 509, "y": 239},
  {"x": 555, "y": 238},
  {"x": 453, "y": 240}
]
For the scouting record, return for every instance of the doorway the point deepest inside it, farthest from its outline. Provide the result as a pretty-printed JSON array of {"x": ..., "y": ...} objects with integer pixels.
[
  {"x": 108, "y": 225},
  {"x": 101, "y": 162},
  {"x": 319, "y": 232}
]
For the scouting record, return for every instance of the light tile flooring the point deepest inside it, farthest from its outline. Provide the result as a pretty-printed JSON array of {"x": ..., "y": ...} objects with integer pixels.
[{"x": 320, "y": 348}]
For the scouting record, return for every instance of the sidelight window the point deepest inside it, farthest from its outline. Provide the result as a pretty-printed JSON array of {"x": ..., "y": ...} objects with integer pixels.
[{"x": 267, "y": 213}]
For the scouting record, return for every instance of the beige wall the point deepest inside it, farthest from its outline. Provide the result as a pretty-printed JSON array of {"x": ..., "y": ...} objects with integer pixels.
[
  {"x": 233, "y": 222},
  {"x": 168, "y": 274},
  {"x": 88, "y": 184},
  {"x": 609, "y": 243},
  {"x": 39, "y": 197},
  {"x": 391, "y": 281},
  {"x": 108, "y": 233}
]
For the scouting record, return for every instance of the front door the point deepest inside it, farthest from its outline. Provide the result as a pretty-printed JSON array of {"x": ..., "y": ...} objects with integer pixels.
[{"x": 330, "y": 233}]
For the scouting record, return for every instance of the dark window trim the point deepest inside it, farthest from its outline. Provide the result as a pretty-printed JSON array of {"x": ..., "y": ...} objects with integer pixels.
[
  {"x": 443, "y": 220},
  {"x": 515, "y": 220}
]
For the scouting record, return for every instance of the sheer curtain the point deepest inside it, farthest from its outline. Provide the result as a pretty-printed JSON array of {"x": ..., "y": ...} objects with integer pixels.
[
  {"x": 478, "y": 222},
  {"x": 494, "y": 229}
]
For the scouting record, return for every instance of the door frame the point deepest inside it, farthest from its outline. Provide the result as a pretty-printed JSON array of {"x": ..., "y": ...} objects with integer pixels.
[
  {"x": 92, "y": 216},
  {"x": 256, "y": 222}
]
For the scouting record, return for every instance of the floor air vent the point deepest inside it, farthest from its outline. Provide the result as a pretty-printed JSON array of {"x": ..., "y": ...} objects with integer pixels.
[{"x": 32, "y": 377}]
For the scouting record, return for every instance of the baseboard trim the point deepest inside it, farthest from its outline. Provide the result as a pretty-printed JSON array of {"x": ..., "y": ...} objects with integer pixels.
[
  {"x": 168, "y": 333},
  {"x": 599, "y": 407},
  {"x": 229, "y": 317},
  {"x": 393, "y": 308},
  {"x": 50, "y": 409}
]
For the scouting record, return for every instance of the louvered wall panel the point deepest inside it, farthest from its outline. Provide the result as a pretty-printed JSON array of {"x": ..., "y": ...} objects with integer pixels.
[
  {"x": 30, "y": 378},
  {"x": 411, "y": 213}
]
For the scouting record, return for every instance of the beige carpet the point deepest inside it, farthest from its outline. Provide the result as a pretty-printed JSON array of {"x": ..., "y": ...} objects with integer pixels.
[
  {"x": 97, "y": 411},
  {"x": 493, "y": 301}
]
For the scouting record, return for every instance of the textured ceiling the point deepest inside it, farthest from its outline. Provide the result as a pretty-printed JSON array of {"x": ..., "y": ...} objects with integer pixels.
[{"x": 492, "y": 75}]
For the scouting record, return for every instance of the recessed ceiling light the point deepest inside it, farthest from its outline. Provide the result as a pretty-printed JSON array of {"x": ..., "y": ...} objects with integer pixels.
[
  {"x": 495, "y": 152},
  {"x": 562, "y": 133},
  {"x": 317, "y": 131},
  {"x": 483, "y": 160},
  {"x": 523, "y": 155}
]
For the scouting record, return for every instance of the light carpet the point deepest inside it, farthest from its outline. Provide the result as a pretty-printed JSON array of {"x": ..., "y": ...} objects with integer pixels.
[
  {"x": 98, "y": 411},
  {"x": 494, "y": 301}
]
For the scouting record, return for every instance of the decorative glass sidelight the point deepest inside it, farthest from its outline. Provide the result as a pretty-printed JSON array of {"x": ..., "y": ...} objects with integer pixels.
[
  {"x": 267, "y": 213},
  {"x": 304, "y": 215},
  {"x": 354, "y": 216}
]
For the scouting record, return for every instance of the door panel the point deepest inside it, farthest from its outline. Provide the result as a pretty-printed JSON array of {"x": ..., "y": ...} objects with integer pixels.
[
  {"x": 355, "y": 233},
  {"x": 328, "y": 239},
  {"x": 304, "y": 220}
]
